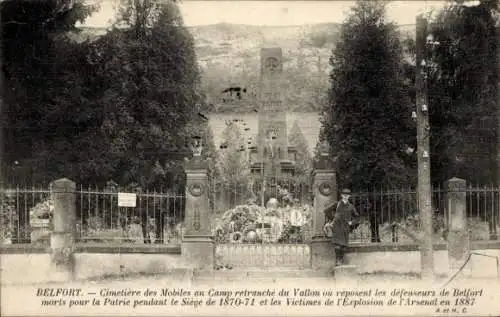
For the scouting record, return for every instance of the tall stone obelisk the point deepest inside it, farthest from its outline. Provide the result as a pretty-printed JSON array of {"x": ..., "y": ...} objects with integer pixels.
[{"x": 272, "y": 135}]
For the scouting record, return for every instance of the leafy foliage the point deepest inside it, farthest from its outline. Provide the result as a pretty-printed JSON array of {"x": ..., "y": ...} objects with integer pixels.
[
  {"x": 115, "y": 108},
  {"x": 37, "y": 59},
  {"x": 303, "y": 160},
  {"x": 233, "y": 165},
  {"x": 462, "y": 92},
  {"x": 367, "y": 121}
]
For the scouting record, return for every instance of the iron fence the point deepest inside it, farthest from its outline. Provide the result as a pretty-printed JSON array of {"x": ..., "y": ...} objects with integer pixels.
[
  {"x": 25, "y": 215},
  {"x": 156, "y": 217},
  {"x": 483, "y": 212},
  {"x": 381, "y": 210}
]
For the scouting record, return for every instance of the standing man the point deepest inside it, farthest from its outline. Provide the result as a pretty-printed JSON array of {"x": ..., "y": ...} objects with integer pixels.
[{"x": 341, "y": 219}]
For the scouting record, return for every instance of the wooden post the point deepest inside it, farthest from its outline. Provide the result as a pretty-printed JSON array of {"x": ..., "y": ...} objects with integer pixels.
[
  {"x": 498, "y": 106},
  {"x": 423, "y": 134},
  {"x": 496, "y": 215}
]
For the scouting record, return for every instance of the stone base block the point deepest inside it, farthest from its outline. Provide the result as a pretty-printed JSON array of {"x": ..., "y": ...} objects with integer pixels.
[
  {"x": 458, "y": 249},
  {"x": 322, "y": 254},
  {"x": 198, "y": 253}
]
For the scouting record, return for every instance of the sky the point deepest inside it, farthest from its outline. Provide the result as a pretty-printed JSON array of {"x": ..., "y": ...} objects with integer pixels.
[{"x": 272, "y": 12}]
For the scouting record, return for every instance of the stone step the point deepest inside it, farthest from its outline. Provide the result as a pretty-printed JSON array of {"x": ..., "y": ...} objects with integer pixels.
[
  {"x": 255, "y": 274},
  {"x": 259, "y": 274}
]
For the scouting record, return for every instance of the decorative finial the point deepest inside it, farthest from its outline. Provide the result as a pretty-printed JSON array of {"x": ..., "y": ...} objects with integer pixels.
[
  {"x": 324, "y": 148},
  {"x": 196, "y": 146}
]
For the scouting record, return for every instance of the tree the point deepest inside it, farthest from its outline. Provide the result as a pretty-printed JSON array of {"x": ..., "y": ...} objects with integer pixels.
[
  {"x": 233, "y": 165},
  {"x": 114, "y": 108},
  {"x": 462, "y": 92},
  {"x": 35, "y": 55},
  {"x": 135, "y": 90},
  {"x": 368, "y": 119},
  {"x": 35, "y": 67},
  {"x": 461, "y": 88},
  {"x": 158, "y": 91},
  {"x": 303, "y": 160}
]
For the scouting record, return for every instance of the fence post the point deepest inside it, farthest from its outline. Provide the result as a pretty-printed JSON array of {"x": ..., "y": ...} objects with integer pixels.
[
  {"x": 197, "y": 246},
  {"x": 325, "y": 192},
  {"x": 456, "y": 220},
  {"x": 62, "y": 238}
]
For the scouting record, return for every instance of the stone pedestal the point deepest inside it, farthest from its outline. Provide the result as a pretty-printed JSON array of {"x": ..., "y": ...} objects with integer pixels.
[
  {"x": 198, "y": 252},
  {"x": 325, "y": 193},
  {"x": 456, "y": 221},
  {"x": 197, "y": 246},
  {"x": 62, "y": 238},
  {"x": 40, "y": 230}
]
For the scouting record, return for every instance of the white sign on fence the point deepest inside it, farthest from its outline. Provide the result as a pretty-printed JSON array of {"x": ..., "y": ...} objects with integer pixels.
[{"x": 126, "y": 199}]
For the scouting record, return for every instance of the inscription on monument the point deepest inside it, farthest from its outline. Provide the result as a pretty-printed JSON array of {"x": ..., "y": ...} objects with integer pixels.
[
  {"x": 271, "y": 105},
  {"x": 271, "y": 95}
]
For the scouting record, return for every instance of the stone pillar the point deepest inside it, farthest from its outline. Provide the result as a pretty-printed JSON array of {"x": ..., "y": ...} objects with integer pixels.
[
  {"x": 325, "y": 193},
  {"x": 197, "y": 245},
  {"x": 456, "y": 221},
  {"x": 62, "y": 238}
]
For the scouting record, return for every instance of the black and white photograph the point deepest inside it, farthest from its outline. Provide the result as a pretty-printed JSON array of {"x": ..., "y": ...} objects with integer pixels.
[{"x": 250, "y": 158}]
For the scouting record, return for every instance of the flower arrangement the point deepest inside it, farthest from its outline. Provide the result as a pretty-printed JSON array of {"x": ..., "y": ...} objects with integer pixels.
[
  {"x": 42, "y": 210},
  {"x": 255, "y": 224}
]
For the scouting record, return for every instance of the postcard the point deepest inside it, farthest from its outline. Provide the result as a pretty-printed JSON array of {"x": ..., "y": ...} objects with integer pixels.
[{"x": 250, "y": 158}]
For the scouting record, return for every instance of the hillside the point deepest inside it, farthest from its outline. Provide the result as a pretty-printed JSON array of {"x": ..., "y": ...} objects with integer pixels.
[{"x": 228, "y": 56}]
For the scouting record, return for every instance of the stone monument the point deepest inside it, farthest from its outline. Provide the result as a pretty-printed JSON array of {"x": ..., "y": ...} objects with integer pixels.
[{"x": 271, "y": 157}]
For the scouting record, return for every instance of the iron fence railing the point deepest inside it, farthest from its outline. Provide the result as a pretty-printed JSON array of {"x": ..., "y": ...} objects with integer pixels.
[
  {"x": 381, "y": 210},
  {"x": 25, "y": 215},
  {"x": 483, "y": 212},
  {"x": 155, "y": 218}
]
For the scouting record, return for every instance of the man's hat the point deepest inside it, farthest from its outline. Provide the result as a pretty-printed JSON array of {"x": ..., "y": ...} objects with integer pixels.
[{"x": 346, "y": 191}]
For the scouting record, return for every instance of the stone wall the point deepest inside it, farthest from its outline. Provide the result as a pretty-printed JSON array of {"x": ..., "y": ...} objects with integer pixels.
[{"x": 35, "y": 268}]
